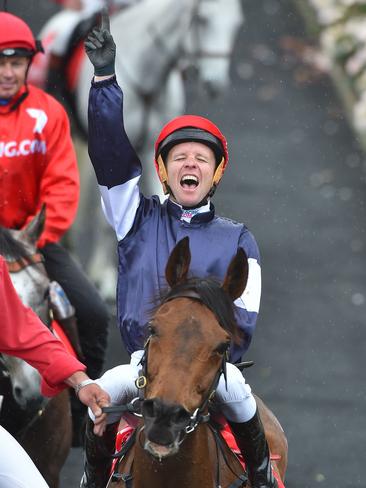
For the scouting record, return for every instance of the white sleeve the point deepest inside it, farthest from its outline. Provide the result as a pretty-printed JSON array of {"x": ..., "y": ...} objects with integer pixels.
[{"x": 120, "y": 204}]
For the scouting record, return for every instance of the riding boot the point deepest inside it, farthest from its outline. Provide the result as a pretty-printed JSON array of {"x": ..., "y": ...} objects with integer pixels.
[
  {"x": 253, "y": 446},
  {"x": 97, "y": 457}
]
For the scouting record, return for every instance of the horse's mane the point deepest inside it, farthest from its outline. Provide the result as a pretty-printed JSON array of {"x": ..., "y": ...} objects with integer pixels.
[
  {"x": 10, "y": 248},
  {"x": 214, "y": 297}
]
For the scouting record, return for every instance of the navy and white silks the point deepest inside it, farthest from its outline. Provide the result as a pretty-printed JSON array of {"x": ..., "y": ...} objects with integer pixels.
[{"x": 147, "y": 232}]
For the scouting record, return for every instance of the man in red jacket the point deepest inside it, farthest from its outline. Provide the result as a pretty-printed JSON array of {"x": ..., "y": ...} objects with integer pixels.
[
  {"x": 38, "y": 166},
  {"x": 23, "y": 334}
]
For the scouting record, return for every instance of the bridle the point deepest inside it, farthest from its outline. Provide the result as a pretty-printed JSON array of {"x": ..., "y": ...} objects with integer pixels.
[
  {"x": 20, "y": 264},
  {"x": 197, "y": 51},
  {"x": 16, "y": 265},
  {"x": 201, "y": 414}
]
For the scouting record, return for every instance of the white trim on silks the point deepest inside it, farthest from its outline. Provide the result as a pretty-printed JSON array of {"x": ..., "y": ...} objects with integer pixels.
[
  {"x": 120, "y": 204},
  {"x": 251, "y": 296}
]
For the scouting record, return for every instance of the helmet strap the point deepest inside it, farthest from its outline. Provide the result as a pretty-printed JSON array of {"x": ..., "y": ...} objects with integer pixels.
[
  {"x": 39, "y": 46},
  {"x": 163, "y": 175},
  {"x": 24, "y": 95},
  {"x": 211, "y": 193},
  {"x": 19, "y": 100},
  {"x": 218, "y": 172}
]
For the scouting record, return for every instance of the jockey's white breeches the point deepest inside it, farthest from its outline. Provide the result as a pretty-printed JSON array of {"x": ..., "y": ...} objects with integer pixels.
[
  {"x": 16, "y": 467},
  {"x": 234, "y": 399}
]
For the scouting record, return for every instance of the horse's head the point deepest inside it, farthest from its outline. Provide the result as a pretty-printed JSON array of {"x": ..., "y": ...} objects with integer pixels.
[
  {"x": 31, "y": 282},
  {"x": 211, "y": 40},
  {"x": 26, "y": 266},
  {"x": 190, "y": 334}
]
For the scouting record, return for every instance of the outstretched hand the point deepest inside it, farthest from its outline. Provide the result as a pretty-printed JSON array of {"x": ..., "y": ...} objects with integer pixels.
[
  {"x": 100, "y": 47},
  {"x": 94, "y": 397}
]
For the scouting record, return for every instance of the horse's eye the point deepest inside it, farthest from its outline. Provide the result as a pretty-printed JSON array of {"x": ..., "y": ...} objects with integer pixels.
[
  {"x": 222, "y": 348},
  {"x": 151, "y": 329}
]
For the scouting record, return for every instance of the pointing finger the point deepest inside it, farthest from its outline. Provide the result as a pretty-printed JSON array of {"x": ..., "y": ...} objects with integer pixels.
[{"x": 105, "y": 20}]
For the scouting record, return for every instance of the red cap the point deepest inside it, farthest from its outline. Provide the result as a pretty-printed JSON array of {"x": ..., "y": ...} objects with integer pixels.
[
  {"x": 15, "y": 34},
  {"x": 196, "y": 122}
]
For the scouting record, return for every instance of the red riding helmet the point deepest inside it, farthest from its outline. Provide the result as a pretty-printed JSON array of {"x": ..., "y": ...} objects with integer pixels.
[
  {"x": 190, "y": 128},
  {"x": 16, "y": 38}
]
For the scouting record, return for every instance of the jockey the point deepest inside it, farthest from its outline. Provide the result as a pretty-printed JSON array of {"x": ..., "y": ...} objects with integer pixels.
[
  {"x": 38, "y": 166},
  {"x": 190, "y": 156},
  {"x": 22, "y": 334}
]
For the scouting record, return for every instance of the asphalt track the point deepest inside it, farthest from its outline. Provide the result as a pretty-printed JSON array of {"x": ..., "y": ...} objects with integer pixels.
[{"x": 297, "y": 179}]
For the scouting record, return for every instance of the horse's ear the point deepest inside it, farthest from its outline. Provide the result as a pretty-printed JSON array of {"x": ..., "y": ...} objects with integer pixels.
[
  {"x": 236, "y": 275},
  {"x": 179, "y": 260},
  {"x": 35, "y": 227}
]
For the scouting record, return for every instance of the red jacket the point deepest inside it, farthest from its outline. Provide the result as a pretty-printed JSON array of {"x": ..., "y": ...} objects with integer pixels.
[
  {"x": 37, "y": 165},
  {"x": 22, "y": 334}
]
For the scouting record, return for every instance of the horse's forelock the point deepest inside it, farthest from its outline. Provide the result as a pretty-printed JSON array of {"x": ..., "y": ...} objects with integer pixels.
[
  {"x": 10, "y": 248},
  {"x": 214, "y": 298}
]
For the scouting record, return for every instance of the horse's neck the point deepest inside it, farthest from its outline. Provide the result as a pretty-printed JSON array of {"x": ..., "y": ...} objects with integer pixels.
[
  {"x": 148, "y": 37},
  {"x": 192, "y": 467}
]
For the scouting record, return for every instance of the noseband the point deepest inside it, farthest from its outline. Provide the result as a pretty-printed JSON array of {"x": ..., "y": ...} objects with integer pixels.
[{"x": 14, "y": 266}]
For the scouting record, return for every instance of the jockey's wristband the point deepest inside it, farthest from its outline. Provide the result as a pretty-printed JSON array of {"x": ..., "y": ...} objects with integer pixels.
[
  {"x": 81, "y": 385},
  {"x": 104, "y": 70}
]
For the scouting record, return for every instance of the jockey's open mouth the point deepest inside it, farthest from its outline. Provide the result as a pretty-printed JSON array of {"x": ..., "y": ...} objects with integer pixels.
[{"x": 189, "y": 182}]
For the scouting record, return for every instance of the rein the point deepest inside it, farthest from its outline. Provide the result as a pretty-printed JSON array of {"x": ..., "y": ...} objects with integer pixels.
[
  {"x": 14, "y": 266},
  {"x": 22, "y": 432}
]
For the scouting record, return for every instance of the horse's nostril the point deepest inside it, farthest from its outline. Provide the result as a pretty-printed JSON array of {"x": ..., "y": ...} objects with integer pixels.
[
  {"x": 168, "y": 413},
  {"x": 17, "y": 392},
  {"x": 148, "y": 409},
  {"x": 181, "y": 416}
]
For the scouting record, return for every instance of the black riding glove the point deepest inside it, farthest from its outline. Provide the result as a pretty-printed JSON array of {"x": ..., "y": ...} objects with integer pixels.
[{"x": 100, "y": 48}]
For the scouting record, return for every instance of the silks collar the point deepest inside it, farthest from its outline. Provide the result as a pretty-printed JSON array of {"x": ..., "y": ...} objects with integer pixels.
[
  {"x": 15, "y": 101},
  {"x": 203, "y": 213}
]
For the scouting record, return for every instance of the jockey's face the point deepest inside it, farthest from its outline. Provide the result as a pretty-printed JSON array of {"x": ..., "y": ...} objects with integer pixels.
[
  {"x": 190, "y": 167},
  {"x": 13, "y": 70}
]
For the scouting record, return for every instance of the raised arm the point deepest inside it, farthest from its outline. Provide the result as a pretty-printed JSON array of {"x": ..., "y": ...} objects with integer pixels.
[{"x": 116, "y": 164}]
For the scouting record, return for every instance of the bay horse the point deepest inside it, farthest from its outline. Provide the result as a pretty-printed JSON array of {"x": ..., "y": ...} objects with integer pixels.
[
  {"x": 185, "y": 354},
  {"x": 42, "y": 426}
]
